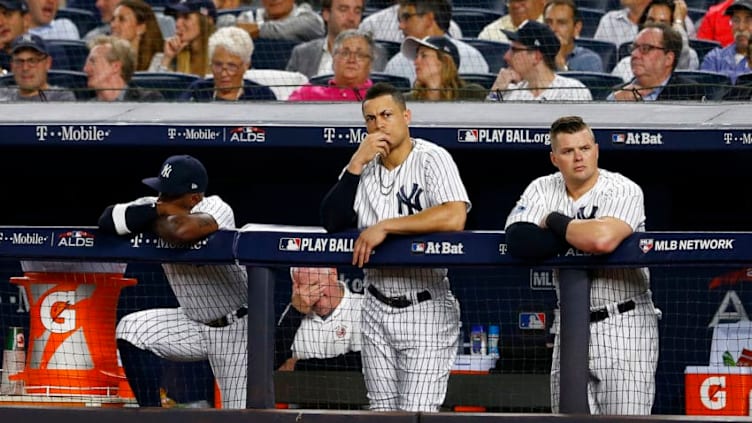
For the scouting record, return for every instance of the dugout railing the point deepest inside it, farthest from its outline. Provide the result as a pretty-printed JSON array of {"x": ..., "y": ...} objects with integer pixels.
[{"x": 264, "y": 249}]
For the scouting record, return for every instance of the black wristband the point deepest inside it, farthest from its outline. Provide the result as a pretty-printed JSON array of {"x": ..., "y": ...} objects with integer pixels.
[
  {"x": 138, "y": 218},
  {"x": 558, "y": 223}
]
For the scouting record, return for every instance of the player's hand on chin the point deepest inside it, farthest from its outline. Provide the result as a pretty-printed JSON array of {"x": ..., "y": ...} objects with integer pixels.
[
  {"x": 366, "y": 242},
  {"x": 376, "y": 143}
]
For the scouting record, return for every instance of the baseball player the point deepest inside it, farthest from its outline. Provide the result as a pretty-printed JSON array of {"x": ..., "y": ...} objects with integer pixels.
[
  {"x": 211, "y": 320},
  {"x": 593, "y": 210},
  {"x": 320, "y": 329},
  {"x": 395, "y": 184}
]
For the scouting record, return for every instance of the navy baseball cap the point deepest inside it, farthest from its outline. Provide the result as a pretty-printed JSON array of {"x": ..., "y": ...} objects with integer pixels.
[
  {"x": 738, "y": 4},
  {"x": 442, "y": 44},
  {"x": 204, "y": 7},
  {"x": 179, "y": 175},
  {"x": 19, "y": 5},
  {"x": 536, "y": 35},
  {"x": 31, "y": 41}
]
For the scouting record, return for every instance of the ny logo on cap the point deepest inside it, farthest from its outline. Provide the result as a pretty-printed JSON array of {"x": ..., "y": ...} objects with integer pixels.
[
  {"x": 27, "y": 38},
  {"x": 166, "y": 170}
]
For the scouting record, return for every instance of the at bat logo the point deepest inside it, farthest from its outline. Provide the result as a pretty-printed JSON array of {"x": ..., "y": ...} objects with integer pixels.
[
  {"x": 437, "y": 247},
  {"x": 75, "y": 239}
]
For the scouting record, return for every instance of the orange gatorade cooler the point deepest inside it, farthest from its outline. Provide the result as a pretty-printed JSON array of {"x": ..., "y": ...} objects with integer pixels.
[
  {"x": 717, "y": 390},
  {"x": 71, "y": 342}
]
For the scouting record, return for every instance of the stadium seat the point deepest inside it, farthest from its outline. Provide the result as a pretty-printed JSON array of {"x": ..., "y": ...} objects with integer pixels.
[
  {"x": 623, "y": 51},
  {"x": 495, "y": 5},
  {"x": 715, "y": 84},
  {"x": 84, "y": 4},
  {"x": 234, "y": 11},
  {"x": 85, "y": 20},
  {"x": 492, "y": 51},
  {"x": 605, "y": 49},
  {"x": 484, "y": 79},
  {"x": 398, "y": 81},
  {"x": 170, "y": 84},
  {"x": 472, "y": 20},
  {"x": 271, "y": 54},
  {"x": 604, "y": 5},
  {"x": 391, "y": 47},
  {"x": 68, "y": 54},
  {"x": 590, "y": 19},
  {"x": 600, "y": 84},
  {"x": 703, "y": 47},
  {"x": 742, "y": 89},
  {"x": 695, "y": 14},
  {"x": 76, "y": 81}
]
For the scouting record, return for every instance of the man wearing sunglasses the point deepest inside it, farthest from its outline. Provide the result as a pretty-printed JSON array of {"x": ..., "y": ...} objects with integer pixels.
[
  {"x": 30, "y": 63},
  {"x": 655, "y": 53}
]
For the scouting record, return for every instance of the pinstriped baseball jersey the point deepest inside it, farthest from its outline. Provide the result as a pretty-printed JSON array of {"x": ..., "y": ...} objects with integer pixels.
[
  {"x": 427, "y": 178},
  {"x": 613, "y": 195},
  {"x": 338, "y": 334},
  {"x": 206, "y": 293}
]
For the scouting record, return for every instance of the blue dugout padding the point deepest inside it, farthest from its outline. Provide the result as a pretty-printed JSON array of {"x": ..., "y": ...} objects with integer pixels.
[{"x": 260, "y": 250}]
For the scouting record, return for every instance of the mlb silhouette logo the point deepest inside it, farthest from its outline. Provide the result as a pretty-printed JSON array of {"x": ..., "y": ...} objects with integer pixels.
[
  {"x": 646, "y": 244},
  {"x": 467, "y": 135},
  {"x": 532, "y": 321},
  {"x": 418, "y": 247},
  {"x": 289, "y": 244},
  {"x": 618, "y": 138}
]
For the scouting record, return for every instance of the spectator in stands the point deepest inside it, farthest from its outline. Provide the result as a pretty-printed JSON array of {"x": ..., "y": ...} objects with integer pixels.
[
  {"x": 519, "y": 12},
  {"x": 227, "y": 19},
  {"x": 14, "y": 21},
  {"x": 135, "y": 22},
  {"x": 732, "y": 60},
  {"x": 385, "y": 25},
  {"x": 282, "y": 20},
  {"x": 188, "y": 50},
  {"x": 30, "y": 63},
  {"x": 353, "y": 55},
  {"x": 662, "y": 11},
  {"x": 43, "y": 23},
  {"x": 230, "y": 50},
  {"x": 106, "y": 10},
  {"x": 430, "y": 18},
  {"x": 314, "y": 57},
  {"x": 530, "y": 75},
  {"x": 436, "y": 77},
  {"x": 654, "y": 56},
  {"x": 110, "y": 66},
  {"x": 715, "y": 24},
  {"x": 621, "y": 26},
  {"x": 320, "y": 328},
  {"x": 564, "y": 19}
]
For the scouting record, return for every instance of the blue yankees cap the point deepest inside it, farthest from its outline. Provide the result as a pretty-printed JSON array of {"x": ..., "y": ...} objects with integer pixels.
[
  {"x": 441, "y": 43},
  {"x": 27, "y": 40},
  {"x": 536, "y": 35},
  {"x": 179, "y": 175},
  {"x": 19, "y": 5},
  {"x": 204, "y": 7}
]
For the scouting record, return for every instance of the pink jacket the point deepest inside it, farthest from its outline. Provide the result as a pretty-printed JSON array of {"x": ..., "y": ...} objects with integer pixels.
[{"x": 309, "y": 92}]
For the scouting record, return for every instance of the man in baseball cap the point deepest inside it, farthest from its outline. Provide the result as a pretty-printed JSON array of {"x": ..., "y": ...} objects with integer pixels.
[
  {"x": 537, "y": 36},
  {"x": 180, "y": 175},
  {"x": 184, "y": 7},
  {"x": 15, "y": 23},
  {"x": 30, "y": 63},
  {"x": 733, "y": 59},
  {"x": 531, "y": 72},
  {"x": 440, "y": 43}
]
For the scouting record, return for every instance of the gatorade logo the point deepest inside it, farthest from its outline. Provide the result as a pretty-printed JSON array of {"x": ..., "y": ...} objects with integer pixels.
[
  {"x": 712, "y": 393},
  {"x": 56, "y": 314}
]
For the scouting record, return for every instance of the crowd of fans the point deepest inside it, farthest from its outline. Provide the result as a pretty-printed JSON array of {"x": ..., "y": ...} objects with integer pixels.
[{"x": 334, "y": 50}]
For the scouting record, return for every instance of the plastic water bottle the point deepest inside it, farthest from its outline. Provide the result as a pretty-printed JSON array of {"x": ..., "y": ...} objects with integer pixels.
[
  {"x": 493, "y": 340},
  {"x": 478, "y": 340}
]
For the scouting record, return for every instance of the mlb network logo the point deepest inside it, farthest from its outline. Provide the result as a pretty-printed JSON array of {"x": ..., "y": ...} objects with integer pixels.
[
  {"x": 467, "y": 135},
  {"x": 418, "y": 247},
  {"x": 289, "y": 244},
  {"x": 532, "y": 321},
  {"x": 618, "y": 138},
  {"x": 646, "y": 244}
]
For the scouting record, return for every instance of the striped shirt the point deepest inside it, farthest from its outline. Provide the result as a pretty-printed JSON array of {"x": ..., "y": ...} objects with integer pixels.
[{"x": 613, "y": 195}]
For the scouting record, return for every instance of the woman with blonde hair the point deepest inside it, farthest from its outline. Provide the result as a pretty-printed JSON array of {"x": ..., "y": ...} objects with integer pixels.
[
  {"x": 135, "y": 22},
  {"x": 188, "y": 50},
  {"x": 436, "y": 78}
]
